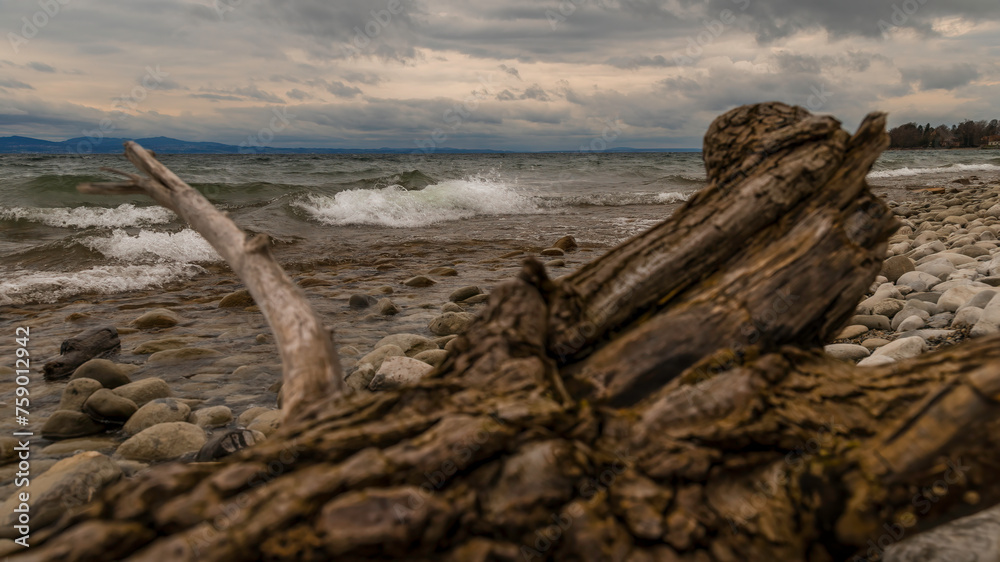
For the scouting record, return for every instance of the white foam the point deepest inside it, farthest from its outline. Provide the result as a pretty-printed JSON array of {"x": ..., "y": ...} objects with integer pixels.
[
  {"x": 86, "y": 217},
  {"x": 45, "y": 287},
  {"x": 396, "y": 207},
  {"x": 186, "y": 246},
  {"x": 907, "y": 172},
  {"x": 622, "y": 199},
  {"x": 672, "y": 197}
]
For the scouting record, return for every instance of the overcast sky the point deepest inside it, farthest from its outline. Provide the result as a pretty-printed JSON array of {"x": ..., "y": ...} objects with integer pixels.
[{"x": 504, "y": 74}]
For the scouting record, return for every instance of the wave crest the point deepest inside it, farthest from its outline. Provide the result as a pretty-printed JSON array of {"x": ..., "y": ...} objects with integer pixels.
[{"x": 89, "y": 217}]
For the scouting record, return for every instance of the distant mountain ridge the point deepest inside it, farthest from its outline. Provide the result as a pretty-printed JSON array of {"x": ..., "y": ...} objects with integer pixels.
[{"x": 166, "y": 145}]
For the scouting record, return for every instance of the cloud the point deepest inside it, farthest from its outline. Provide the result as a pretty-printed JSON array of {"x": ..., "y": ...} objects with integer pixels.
[
  {"x": 40, "y": 67},
  {"x": 941, "y": 78},
  {"x": 638, "y": 61},
  {"x": 14, "y": 84},
  {"x": 510, "y": 70},
  {"x": 298, "y": 95}
]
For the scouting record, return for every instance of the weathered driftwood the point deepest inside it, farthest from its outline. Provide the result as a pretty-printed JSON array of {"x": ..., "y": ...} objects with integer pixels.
[
  {"x": 75, "y": 351},
  {"x": 532, "y": 443},
  {"x": 311, "y": 370}
]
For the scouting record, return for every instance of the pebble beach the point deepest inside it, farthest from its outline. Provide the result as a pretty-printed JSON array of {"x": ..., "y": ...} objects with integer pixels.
[{"x": 197, "y": 361}]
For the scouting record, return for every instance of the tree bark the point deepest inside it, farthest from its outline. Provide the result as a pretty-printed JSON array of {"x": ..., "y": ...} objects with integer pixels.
[
  {"x": 311, "y": 369},
  {"x": 622, "y": 413}
]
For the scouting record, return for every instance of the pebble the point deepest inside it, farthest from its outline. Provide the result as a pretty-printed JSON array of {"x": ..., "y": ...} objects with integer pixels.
[
  {"x": 452, "y": 307},
  {"x": 249, "y": 415},
  {"x": 106, "y": 407},
  {"x": 432, "y": 357},
  {"x": 379, "y": 354},
  {"x": 66, "y": 424},
  {"x": 919, "y": 281},
  {"x": 443, "y": 272},
  {"x": 163, "y": 441},
  {"x": 451, "y": 323},
  {"x": 214, "y": 416},
  {"x": 162, "y": 344},
  {"x": 851, "y": 332},
  {"x": 109, "y": 374},
  {"x": 266, "y": 423},
  {"x": 464, "y": 293},
  {"x": 238, "y": 299},
  {"x": 76, "y": 393},
  {"x": 397, "y": 372},
  {"x": 159, "y": 411},
  {"x": 411, "y": 344},
  {"x": 872, "y": 322},
  {"x": 361, "y": 301},
  {"x": 989, "y": 320},
  {"x": 898, "y": 350},
  {"x": 144, "y": 391},
  {"x": 157, "y": 318},
  {"x": 183, "y": 354},
  {"x": 387, "y": 308},
  {"x": 419, "y": 281},
  {"x": 896, "y": 266},
  {"x": 846, "y": 351},
  {"x": 566, "y": 244},
  {"x": 556, "y": 252},
  {"x": 872, "y": 344}
]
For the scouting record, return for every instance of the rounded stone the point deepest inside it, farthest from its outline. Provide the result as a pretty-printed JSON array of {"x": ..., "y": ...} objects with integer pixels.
[
  {"x": 109, "y": 374},
  {"x": 361, "y": 301},
  {"x": 452, "y": 307},
  {"x": 106, "y": 407},
  {"x": 411, "y": 344},
  {"x": 249, "y": 415},
  {"x": 66, "y": 424},
  {"x": 238, "y": 299},
  {"x": 894, "y": 267},
  {"x": 214, "y": 416},
  {"x": 157, "y": 318},
  {"x": 419, "y": 281},
  {"x": 464, "y": 293},
  {"x": 397, "y": 372},
  {"x": 173, "y": 356},
  {"x": 77, "y": 392},
  {"x": 566, "y": 244},
  {"x": 451, "y": 323},
  {"x": 433, "y": 357},
  {"x": 144, "y": 391},
  {"x": 554, "y": 252},
  {"x": 163, "y": 442},
  {"x": 387, "y": 308},
  {"x": 266, "y": 423},
  {"x": 376, "y": 357},
  {"x": 846, "y": 351},
  {"x": 159, "y": 411}
]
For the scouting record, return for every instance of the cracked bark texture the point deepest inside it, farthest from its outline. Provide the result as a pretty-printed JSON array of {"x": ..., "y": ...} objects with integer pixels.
[{"x": 666, "y": 402}]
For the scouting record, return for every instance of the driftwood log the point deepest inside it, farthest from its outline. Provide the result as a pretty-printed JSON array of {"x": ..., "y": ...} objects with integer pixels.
[
  {"x": 665, "y": 402},
  {"x": 75, "y": 351}
]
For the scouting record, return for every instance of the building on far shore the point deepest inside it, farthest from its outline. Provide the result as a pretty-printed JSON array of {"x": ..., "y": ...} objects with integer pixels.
[{"x": 992, "y": 141}]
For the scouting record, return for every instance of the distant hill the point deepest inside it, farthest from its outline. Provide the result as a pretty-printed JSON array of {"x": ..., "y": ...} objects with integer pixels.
[{"x": 165, "y": 145}]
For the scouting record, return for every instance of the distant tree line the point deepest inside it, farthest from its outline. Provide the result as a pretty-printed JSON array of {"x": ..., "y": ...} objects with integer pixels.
[{"x": 967, "y": 134}]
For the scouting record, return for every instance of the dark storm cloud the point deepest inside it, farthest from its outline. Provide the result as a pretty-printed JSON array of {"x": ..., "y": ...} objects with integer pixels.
[
  {"x": 941, "y": 78},
  {"x": 638, "y": 61},
  {"x": 775, "y": 19},
  {"x": 387, "y": 72}
]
